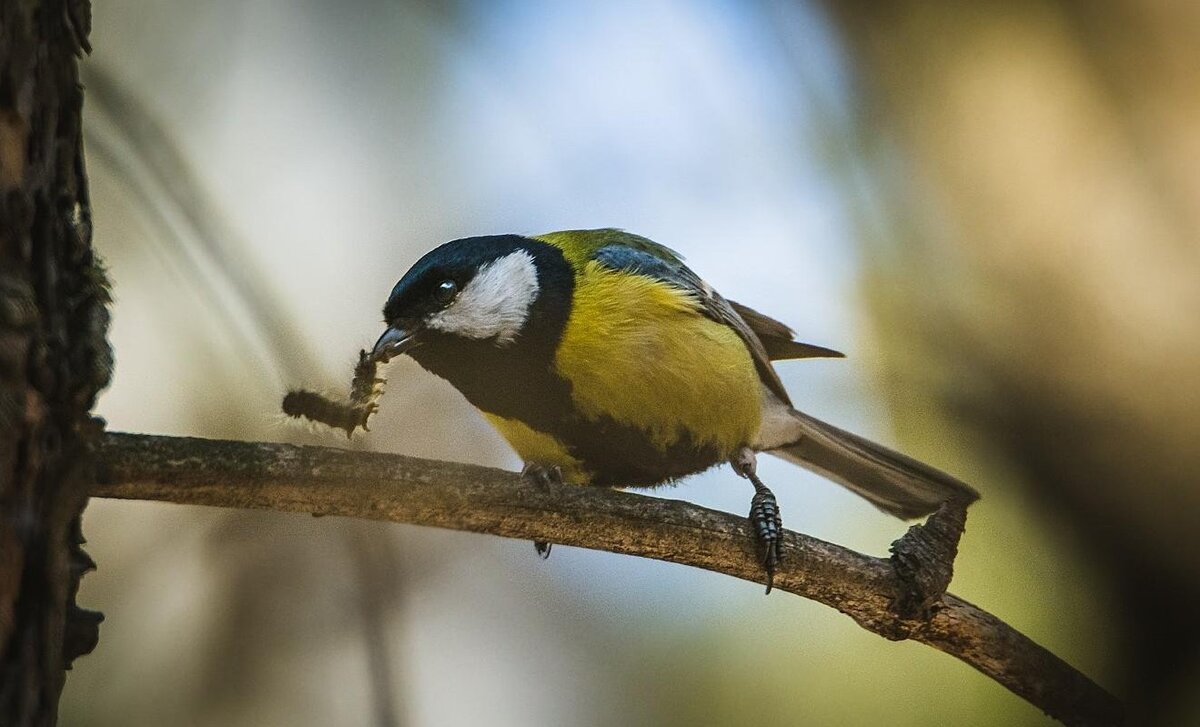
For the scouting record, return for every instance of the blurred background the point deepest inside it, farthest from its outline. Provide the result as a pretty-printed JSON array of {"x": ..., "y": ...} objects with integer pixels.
[{"x": 991, "y": 207}]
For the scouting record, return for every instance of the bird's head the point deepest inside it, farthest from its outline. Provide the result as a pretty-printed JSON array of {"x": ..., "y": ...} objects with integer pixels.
[{"x": 476, "y": 293}]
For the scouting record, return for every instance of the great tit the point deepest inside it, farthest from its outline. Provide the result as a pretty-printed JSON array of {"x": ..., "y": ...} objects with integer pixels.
[{"x": 604, "y": 360}]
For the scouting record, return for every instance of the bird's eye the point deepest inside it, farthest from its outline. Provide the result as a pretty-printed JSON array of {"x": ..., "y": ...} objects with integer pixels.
[{"x": 445, "y": 291}]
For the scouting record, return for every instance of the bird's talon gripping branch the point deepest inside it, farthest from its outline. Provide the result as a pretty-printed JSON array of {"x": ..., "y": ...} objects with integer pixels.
[
  {"x": 543, "y": 478},
  {"x": 764, "y": 514},
  {"x": 768, "y": 529}
]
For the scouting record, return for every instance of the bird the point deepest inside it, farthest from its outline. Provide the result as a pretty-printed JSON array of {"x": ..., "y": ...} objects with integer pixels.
[{"x": 604, "y": 360}]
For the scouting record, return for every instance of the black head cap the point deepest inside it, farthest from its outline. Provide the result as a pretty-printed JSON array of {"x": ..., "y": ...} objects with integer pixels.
[{"x": 417, "y": 293}]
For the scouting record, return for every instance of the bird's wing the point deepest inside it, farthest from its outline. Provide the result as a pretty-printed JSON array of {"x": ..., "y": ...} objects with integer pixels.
[
  {"x": 658, "y": 262},
  {"x": 579, "y": 246},
  {"x": 777, "y": 338}
]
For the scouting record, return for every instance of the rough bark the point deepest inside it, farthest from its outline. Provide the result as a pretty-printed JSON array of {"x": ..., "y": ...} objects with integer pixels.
[
  {"x": 53, "y": 355},
  {"x": 327, "y": 481}
]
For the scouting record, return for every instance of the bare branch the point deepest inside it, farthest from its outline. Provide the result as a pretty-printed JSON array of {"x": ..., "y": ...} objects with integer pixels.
[{"x": 463, "y": 497}]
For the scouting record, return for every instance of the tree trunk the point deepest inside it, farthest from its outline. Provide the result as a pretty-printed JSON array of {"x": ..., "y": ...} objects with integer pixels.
[{"x": 54, "y": 357}]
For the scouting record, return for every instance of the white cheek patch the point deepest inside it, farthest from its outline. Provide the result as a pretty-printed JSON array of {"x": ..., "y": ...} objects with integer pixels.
[{"x": 495, "y": 304}]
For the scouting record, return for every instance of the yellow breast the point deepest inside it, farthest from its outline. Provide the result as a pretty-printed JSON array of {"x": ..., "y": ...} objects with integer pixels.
[{"x": 640, "y": 351}]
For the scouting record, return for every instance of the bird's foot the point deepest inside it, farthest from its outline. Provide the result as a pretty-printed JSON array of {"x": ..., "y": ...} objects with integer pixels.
[
  {"x": 768, "y": 530},
  {"x": 764, "y": 515},
  {"x": 924, "y": 560},
  {"x": 542, "y": 477}
]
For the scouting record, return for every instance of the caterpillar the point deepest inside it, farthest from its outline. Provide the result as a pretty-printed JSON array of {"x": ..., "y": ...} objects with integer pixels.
[{"x": 365, "y": 390}]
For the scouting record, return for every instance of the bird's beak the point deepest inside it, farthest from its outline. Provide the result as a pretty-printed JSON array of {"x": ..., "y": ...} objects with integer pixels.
[{"x": 394, "y": 342}]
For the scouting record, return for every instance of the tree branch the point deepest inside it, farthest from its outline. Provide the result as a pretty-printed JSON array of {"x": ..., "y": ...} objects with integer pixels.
[{"x": 329, "y": 481}]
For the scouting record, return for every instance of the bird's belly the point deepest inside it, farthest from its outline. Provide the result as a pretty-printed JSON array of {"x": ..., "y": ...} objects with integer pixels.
[
  {"x": 541, "y": 448},
  {"x": 652, "y": 362},
  {"x": 627, "y": 418},
  {"x": 657, "y": 391},
  {"x": 642, "y": 388},
  {"x": 606, "y": 453}
]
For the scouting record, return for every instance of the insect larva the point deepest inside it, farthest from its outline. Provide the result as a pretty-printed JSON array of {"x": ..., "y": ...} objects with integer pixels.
[
  {"x": 365, "y": 390},
  {"x": 366, "y": 387},
  {"x": 311, "y": 405}
]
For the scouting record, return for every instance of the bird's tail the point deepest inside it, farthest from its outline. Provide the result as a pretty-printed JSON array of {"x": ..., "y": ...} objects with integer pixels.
[{"x": 893, "y": 482}]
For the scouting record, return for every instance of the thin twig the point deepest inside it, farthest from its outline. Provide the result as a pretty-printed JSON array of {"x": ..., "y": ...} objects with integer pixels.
[{"x": 463, "y": 497}]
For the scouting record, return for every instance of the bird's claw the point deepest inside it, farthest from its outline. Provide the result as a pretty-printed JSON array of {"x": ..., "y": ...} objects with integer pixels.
[
  {"x": 768, "y": 530},
  {"x": 543, "y": 478},
  {"x": 764, "y": 514}
]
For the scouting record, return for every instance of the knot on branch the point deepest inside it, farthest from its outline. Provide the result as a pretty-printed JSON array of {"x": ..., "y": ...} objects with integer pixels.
[{"x": 924, "y": 561}]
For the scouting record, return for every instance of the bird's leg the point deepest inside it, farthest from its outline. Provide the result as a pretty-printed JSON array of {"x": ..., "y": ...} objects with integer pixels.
[
  {"x": 764, "y": 513},
  {"x": 543, "y": 477},
  {"x": 924, "y": 559}
]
